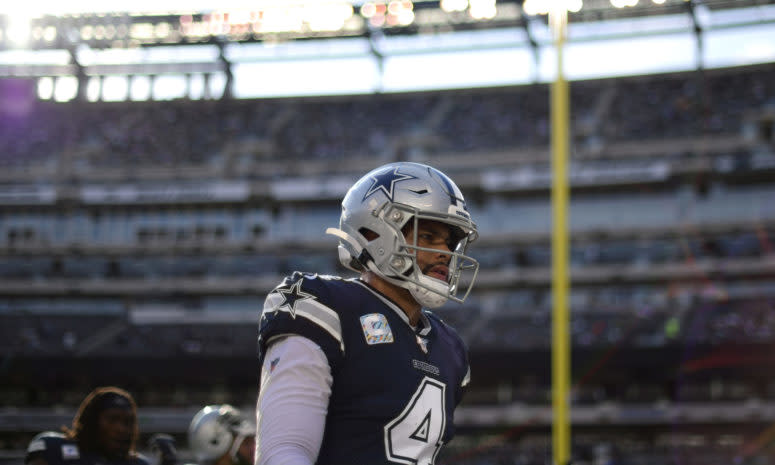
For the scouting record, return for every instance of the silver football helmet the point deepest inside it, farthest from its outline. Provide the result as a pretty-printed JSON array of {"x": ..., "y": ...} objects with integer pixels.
[
  {"x": 381, "y": 204},
  {"x": 216, "y": 430}
]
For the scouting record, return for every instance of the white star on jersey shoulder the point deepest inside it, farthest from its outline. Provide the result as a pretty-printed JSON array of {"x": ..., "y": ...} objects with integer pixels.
[{"x": 291, "y": 296}]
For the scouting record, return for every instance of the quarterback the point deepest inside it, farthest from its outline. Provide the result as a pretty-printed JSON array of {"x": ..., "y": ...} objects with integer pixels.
[{"x": 359, "y": 370}]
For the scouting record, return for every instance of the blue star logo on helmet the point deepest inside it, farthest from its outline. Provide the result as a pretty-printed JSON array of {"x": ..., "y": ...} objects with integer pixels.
[
  {"x": 386, "y": 181},
  {"x": 291, "y": 296}
]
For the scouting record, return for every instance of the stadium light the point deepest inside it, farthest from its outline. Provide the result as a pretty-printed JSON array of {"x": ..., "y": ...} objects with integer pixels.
[
  {"x": 388, "y": 13},
  {"x": 46, "y": 88},
  {"x": 65, "y": 88},
  {"x": 19, "y": 28},
  {"x": 482, "y": 9},
  {"x": 623, "y": 3},
  {"x": 449, "y": 6},
  {"x": 544, "y": 7}
]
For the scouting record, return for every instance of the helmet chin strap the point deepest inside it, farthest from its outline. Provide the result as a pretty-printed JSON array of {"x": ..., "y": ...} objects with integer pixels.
[{"x": 431, "y": 294}]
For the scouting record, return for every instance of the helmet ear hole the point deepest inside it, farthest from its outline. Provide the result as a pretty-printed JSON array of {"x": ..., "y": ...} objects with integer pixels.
[
  {"x": 455, "y": 237},
  {"x": 368, "y": 234}
]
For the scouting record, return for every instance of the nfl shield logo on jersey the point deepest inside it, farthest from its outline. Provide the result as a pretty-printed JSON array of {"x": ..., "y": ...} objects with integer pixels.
[{"x": 376, "y": 329}]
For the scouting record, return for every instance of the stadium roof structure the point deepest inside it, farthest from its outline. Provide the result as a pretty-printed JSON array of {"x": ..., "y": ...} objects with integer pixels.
[
  {"x": 168, "y": 23},
  {"x": 206, "y": 36}
]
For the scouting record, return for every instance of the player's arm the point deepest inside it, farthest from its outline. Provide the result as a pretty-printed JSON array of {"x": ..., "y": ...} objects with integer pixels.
[{"x": 292, "y": 403}]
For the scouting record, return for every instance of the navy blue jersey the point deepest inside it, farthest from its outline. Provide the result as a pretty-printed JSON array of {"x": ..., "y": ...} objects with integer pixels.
[
  {"x": 56, "y": 449},
  {"x": 394, "y": 389}
]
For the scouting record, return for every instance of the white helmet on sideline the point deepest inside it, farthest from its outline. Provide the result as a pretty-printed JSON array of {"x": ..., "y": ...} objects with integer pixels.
[{"x": 217, "y": 430}]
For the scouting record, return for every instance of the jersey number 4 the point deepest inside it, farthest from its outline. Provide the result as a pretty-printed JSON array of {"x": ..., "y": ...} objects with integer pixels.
[{"x": 415, "y": 436}]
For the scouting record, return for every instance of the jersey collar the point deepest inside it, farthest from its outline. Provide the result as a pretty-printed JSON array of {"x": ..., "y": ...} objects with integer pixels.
[{"x": 424, "y": 323}]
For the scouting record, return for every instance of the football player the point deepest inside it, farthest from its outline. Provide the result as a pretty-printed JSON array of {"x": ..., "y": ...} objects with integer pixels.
[
  {"x": 104, "y": 431},
  {"x": 359, "y": 370}
]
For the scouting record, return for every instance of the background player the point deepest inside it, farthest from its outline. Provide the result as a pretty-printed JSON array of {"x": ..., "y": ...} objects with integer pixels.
[{"x": 104, "y": 431}]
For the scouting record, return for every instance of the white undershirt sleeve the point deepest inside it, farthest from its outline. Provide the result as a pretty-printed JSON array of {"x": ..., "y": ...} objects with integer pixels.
[{"x": 292, "y": 402}]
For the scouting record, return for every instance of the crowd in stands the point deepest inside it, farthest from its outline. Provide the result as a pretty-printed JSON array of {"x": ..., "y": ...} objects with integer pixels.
[
  {"x": 667, "y": 308},
  {"x": 504, "y": 253},
  {"x": 746, "y": 322},
  {"x": 525, "y": 329},
  {"x": 700, "y": 104},
  {"x": 171, "y": 356},
  {"x": 211, "y": 132},
  {"x": 674, "y": 448}
]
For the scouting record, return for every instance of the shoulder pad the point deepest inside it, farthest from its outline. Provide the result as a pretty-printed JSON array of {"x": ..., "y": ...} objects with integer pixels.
[
  {"x": 46, "y": 440},
  {"x": 49, "y": 434},
  {"x": 301, "y": 305},
  {"x": 54, "y": 448}
]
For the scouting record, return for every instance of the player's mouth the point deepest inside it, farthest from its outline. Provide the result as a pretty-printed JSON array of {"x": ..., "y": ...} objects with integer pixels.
[{"x": 440, "y": 272}]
